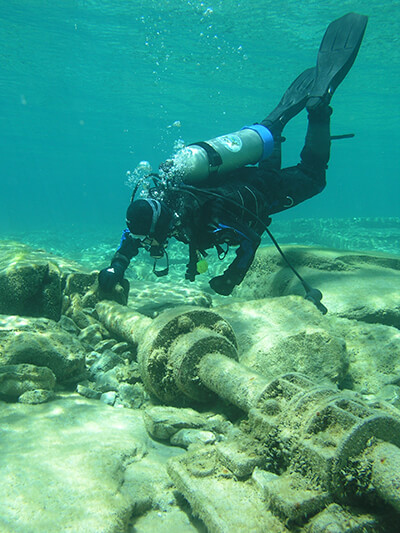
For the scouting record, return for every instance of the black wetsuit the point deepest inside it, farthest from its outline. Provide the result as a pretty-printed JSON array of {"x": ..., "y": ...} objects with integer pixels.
[{"x": 212, "y": 216}]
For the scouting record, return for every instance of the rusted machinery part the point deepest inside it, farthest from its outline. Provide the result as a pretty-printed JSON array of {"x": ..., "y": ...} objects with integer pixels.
[
  {"x": 174, "y": 344},
  {"x": 123, "y": 322}
]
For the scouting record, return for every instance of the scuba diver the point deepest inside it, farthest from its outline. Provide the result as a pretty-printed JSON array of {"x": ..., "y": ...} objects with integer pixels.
[{"x": 212, "y": 194}]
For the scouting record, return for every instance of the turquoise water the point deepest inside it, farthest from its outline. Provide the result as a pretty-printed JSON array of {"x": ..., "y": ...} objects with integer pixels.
[{"x": 89, "y": 88}]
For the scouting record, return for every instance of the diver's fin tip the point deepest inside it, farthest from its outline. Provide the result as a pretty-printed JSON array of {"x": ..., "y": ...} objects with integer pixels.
[{"x": 337, "y": 53}]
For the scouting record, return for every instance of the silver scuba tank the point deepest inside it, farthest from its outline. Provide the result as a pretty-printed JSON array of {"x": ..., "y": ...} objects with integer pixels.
[{"x": 199, "y": 161}]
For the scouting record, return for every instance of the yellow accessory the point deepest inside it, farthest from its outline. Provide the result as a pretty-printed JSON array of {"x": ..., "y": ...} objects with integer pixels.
[{"x": 202, "y": 266}]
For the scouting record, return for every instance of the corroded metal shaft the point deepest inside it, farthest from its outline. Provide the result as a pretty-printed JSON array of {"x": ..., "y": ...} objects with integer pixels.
[
  {"x": 386, "y": 473},
  {"x": 231, "y": 381},
  {"x": 122, "y": 321}
]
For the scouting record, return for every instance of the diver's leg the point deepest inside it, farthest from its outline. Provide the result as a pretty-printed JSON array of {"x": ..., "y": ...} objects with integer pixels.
[
  {"x": 316, "y": 151},
  {"x": 314, "y": 89},
  {"x": 290, "y": 186}
]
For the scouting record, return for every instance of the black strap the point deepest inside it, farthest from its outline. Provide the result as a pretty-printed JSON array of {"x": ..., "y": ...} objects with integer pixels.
[{"x": 214, "y": 159}]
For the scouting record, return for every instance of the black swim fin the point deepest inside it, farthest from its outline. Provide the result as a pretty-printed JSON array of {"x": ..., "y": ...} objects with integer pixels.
[
  {"x": 292, "y": 102},
  {"x": 337, "y": 53}
]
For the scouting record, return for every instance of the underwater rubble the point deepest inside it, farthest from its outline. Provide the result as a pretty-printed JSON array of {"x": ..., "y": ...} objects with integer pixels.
[{"x": 177, "y": 410}]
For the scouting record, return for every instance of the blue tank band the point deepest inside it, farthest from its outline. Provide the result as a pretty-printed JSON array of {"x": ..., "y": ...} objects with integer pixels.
[{"x": 266, "y": 137}]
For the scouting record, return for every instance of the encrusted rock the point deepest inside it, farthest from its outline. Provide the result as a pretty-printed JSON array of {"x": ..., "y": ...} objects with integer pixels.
[
  {"x": 79, "y": 282},
  {"x": 36, "y": 396},
  {"x": 335, "y": 519},
  {"x": 55, "y": 349},
  {"x": 108, "y": 397},
  {"x": 91, "y": 335},
  {"x": 132, "y": 396},
  {"x": 344, "y": 277},
  {"x": 288, "y": 334},
  {"x": 163, "y": 422},
  {"x": 17, "y": 379},
  {"x": 69, "y": 325},
  {"x": 104, "y": 345},
  {"x": 81, "y": 316},
  {"x": 107, "y": 381},
  {"x": 120, "y": 348},
  {"x": 185, "y": 437},
  {"x": 106, "y": 361},
  {"x": 30, "y": 288},
  {"x": 88, "y": 392},
  {"x": 374, "y": 355}
]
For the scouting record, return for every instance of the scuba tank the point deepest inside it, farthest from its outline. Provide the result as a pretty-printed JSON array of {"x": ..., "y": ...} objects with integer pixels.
[{"x": 199, "y": 161}]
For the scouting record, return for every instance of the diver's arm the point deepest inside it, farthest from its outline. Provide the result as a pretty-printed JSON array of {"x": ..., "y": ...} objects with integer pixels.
[
  {"x": 128, "y": 248},
  {"x": 234, "y": 274}
]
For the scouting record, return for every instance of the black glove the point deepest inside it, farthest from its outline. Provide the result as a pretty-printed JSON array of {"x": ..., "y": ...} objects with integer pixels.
[
  {"x": 222, "y": 285},
  {"x": 109, "y": 277}
]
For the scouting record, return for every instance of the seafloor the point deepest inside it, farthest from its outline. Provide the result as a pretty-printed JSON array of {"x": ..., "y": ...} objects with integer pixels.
[{"x": 179, "y": 410}]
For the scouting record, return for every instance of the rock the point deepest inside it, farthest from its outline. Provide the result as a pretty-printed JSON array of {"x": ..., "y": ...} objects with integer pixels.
[
  {"x": 17, "y": 379},
  {"x": 81, "y": 319},
  {"x": 77, "y": 465},
  {"x": 391, "y": 394},
  {"x": 374, "y": 354},
  {"x": 77, "y": 311},
  {"x": 279, "y": 335},
  {"x": 361, "y": 233},
  {"x": 104, "y": 345},
  {"x": 88, "y": 392},
  {"x": 185, "y": 437},
  {"x": 79, "y": 282},
  {"x": 31, "y": 281},
  {"x": 108, "y": 397},
  {"x": 163, "y": 422},
  {"x": 120, "y": 348},
  {"x": 36, "y": 396},
  {"x": 69, "y": 325},
  {"x": 91, "y": 335},
  {"x": 54, "y": 348},
  {"x": 107, "y": 381},
  {"x": 121, "y": 373},
  {"x": 356, "y": 285},
  {"x": 128, "y": 372},
  {"x": 106, "y": 361},
  {"x": 336, "y": 519},
  {"x": 328, "y": 362},
  {"x": 90, "y": 299},
  {"x": 132, "y": 396},
  {"x": 288, "y": 334},
  {"x": 91, "y": 358},
  {"x": 218, "y": 423},
  {"x": 30, "y": 288}
]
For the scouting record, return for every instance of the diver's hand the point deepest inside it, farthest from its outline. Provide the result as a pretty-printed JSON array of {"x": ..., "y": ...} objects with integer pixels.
[
  {"x": 109, "y": 277},
  {"x": 222, "y": 285}
]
